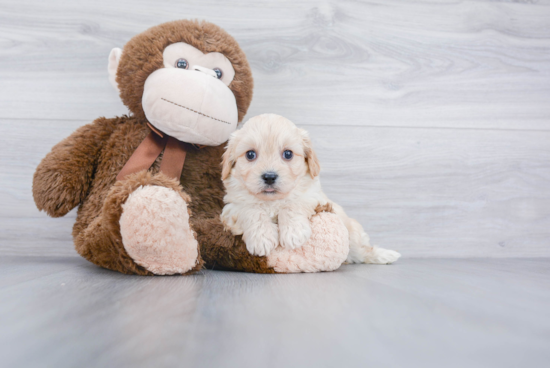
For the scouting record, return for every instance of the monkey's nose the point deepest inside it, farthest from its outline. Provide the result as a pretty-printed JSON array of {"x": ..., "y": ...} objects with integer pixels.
[
  {"x": 204, "y": 70},
  {"x": 270, "y": 177}
]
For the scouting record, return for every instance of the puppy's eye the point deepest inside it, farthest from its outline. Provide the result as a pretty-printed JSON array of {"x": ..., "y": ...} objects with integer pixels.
[
  {"x": 251, "y": 155},
  {"x": 219, "y": 72},
  {"x": 287, "y": 155},
  {"x": 182, "y": 64}
]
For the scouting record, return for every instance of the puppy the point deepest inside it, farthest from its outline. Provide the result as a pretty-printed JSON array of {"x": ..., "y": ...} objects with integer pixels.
[{"x": 271, "y": 175}]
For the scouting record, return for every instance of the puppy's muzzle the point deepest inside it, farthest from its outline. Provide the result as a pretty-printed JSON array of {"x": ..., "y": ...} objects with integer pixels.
[{"x": 270, "y": 177}]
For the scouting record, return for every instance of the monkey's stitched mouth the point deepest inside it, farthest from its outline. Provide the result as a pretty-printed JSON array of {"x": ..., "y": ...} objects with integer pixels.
[{"x": 197, "y": 112}]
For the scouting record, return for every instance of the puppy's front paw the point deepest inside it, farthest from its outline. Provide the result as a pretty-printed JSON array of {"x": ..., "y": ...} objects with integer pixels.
[
  {"x": 262, "y": 240},
  {"x": 294, "y": 234}
]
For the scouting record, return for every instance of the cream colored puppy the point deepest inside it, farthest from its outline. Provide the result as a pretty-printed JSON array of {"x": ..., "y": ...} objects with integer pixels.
[{"x": 271, "y": 175}]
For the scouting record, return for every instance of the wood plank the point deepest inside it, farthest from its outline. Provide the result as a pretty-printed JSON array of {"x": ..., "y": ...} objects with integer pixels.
[
  {"x": 24, "y": 230},
  {"x": 476, "y": 64},
  {"x": 442, "y": 193},
  {"x": 424, "y": 192},
  {"x": 65, "y": 312}
]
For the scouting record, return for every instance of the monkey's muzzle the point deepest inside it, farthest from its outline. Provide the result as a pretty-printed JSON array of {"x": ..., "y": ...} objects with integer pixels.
[{"x": 190, "y": 106}]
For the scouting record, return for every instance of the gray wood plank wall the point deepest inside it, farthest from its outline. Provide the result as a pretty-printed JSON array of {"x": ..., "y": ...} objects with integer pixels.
[{"x": 431, "y": 118}]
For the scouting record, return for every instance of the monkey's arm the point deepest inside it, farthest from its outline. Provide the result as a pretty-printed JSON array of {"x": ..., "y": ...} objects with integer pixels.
[{"x": 61, "y": 181}]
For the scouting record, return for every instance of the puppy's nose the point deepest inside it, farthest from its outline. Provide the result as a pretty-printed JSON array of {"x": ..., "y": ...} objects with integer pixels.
[{"x": 269, "y": 177}]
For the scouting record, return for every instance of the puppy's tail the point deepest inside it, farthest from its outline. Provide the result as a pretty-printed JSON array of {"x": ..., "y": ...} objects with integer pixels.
[{"x": 361, "y": 251}]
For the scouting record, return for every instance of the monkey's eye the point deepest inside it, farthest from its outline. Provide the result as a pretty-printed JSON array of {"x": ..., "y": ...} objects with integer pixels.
[
  {"x": 251, "y": 155},
  {"x": 219, "y": 72},
  {"x": 182, "y": 64},
  {"x": 287, "y": 155}
]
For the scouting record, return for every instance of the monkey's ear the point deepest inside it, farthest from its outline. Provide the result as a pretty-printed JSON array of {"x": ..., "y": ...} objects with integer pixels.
[
  {"x": 114, "y": 59},
  {"x": 311, "y": 157},
  {"x": 228, "y": 158}
]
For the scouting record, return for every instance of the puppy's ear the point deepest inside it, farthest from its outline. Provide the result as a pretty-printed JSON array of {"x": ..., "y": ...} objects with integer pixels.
[
  {"x": 311, "y": 157},
  {"x": 228, "y": 158}
]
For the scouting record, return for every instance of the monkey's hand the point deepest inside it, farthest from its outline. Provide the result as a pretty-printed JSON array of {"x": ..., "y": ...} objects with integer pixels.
[{"x": 62, "y": 179}]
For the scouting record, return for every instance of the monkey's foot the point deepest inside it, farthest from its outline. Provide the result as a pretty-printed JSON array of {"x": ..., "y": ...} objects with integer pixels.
[
  {"x": 155, "y": 231},
  {"x": 326, "y": 249}
]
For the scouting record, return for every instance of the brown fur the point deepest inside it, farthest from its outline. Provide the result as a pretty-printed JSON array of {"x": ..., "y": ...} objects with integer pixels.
[
  {"x": 81, "y": 170},
  {"x": 324, "y": 208},
  {"x": 142, "y": 55}
]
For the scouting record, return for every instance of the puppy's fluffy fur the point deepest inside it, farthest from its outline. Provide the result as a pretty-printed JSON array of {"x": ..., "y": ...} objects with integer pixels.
[{"x": 268, "y": 211}]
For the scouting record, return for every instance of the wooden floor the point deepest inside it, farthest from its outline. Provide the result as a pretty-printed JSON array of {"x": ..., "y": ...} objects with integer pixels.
[{"x": 65, "y": 312}]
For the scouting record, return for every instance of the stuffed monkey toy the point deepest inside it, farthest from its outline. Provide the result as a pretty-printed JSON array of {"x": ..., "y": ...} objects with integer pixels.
[{"x": 148, "y": 185}]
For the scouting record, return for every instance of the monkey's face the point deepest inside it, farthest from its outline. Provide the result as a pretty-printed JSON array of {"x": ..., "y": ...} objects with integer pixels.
[
  {"x": 184, "y": 88},
  {"x": 189, "y": 99}
]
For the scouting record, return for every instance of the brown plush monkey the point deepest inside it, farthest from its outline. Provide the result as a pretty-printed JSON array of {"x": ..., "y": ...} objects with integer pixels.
[{"x": 183, "y": 81}]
